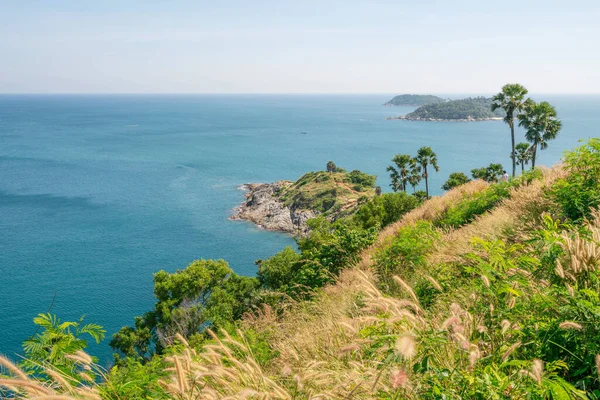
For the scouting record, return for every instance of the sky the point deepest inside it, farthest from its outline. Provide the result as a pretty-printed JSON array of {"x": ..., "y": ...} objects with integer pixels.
[{"x": 303, "y": 46}]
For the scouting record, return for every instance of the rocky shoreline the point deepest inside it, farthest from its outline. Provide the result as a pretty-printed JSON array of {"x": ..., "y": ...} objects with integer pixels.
[
  {"x": 263, "y": 208},
  {"x": 405, "y": 118}
]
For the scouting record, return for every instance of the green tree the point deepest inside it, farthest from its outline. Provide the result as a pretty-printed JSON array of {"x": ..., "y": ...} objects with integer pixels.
[
  {"x": 426, "y": 157},
  {"x": 206, "y": 294},
  {"x": 331, "y": 167},
  {"x": 55, "y": 341},
  {"x": 512, "y": 100},
  {"x": 384, "y": 210},
  {"x": 489, "y": 174},
  {"x": 541, "y": 124},
  {"x": 400, "y": 172},
  {"x": 415, "y": 176},
  {"x": 523, "y": 154},
  {"x": 378, "y": 191},
  {"x": 277, "y": 272},
  {"x": 455, "y": 179}
]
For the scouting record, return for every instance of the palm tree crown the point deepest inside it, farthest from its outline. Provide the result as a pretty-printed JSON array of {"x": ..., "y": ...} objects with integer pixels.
[
  {"x": 400, "y": 174},
  {"x": 541, "y": 124},
  {"x": 511, "y": 99},
  {"x": 426, "y": 157}
]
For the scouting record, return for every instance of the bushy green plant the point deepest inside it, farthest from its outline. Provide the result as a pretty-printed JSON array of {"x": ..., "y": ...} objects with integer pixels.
[
  {"x": 383, "y": 210},
  {"x": 406, "y": 252},
  {"x": 578, "y": 194}
]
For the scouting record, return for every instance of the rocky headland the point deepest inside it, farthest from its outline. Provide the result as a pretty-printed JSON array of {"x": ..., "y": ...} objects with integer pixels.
[
  {"x": 264, "y": 208},
  {"x": 286, "y": 206}
]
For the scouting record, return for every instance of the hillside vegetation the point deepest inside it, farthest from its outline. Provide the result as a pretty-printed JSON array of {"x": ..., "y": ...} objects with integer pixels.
[
  {"x": 464, "y": 109},
  {"x": 329, "y": 193},
  {"x": 413, "y": 100},
  {"x": 488, "y": 292}
]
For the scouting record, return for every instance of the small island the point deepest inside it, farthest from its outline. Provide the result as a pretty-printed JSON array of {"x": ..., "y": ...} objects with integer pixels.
[
  {"x": 471, "y": 109},
  {"x": 414, "y": 100},
  {"x": 285, "y": 206}
]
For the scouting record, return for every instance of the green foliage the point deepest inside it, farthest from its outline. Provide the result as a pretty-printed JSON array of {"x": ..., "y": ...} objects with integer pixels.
[
  {"x": 523, "y": 155},
  {"x": 331, "y": 167},
  {"x": 277, "y": 272},
  {"x": 205, "y": 294},
  {"x": 327, "y": 250},
  {"x": 466, "y": 210},
  {"x": 361, "y": 179},
  {"x": 578, "y": 194},
  {"x": 55, "y": 341},
  {"x": 329, "y": 193},
  {"x": 406, "y": 252},
  {"x": 132, "y": 379},
  {"x": 541, "y": 125},
  {"x": 401, "y": 172},
  {"x": 472, "y": 107},
  {"x": 455, "y": 179},
  {"x": 413, "y": 100},
  {"x": 490, "y": 173},
  {"x": 425, "y": 158},
  {"x": 384, "y": 210}
]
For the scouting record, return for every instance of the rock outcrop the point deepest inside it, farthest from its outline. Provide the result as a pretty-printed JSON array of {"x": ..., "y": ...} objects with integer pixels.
[{"x": 263, "y": 208}]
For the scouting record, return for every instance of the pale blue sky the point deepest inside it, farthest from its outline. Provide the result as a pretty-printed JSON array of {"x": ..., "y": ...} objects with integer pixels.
[{"x": 398, "y": 46}]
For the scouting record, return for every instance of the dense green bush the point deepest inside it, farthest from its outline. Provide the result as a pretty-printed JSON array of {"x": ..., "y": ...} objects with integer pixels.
[
  {"x": 383, "y": 210},
  {"x": 361, "y": 179},
  {"x": 579, "y": 192},
  {"x": 466, "y": 210},
  {"x": 406, "y": 252}
]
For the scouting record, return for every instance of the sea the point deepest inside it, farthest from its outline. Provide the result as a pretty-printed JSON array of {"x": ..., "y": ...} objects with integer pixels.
[{"x": 98, "y": 192}]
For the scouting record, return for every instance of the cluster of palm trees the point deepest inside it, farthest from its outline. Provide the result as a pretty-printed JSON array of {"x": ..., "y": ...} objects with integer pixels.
[
  {"x": 409, "y": 170},
  {"x": 539, "y": 120}
]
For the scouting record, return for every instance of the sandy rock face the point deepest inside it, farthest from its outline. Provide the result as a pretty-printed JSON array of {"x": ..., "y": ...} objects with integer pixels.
[{"x": 263, "y": 208}]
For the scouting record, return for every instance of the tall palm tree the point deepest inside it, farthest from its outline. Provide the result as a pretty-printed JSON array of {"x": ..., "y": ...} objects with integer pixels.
[
  {"x": 426, "y": 157},
  {"x": 414, "y": 177},
  {"x": 400, "y": 172},
  {"x": 523, "y": 154},
  {"x": 511, "y": 99},
  {"x": 542, "y": 125}
]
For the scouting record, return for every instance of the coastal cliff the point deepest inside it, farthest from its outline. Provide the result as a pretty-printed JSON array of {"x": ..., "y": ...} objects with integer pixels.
[
  {"x": 286, "y": 206},
  {"x": 264, "y": 208}
]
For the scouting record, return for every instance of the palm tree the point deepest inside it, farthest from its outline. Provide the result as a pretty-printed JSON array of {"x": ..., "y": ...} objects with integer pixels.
[
  {"x": 523, "y": 154},
  {"x": 400, "y": 173},
  {"x": 331, "y": 167},
  {"x": 511, "y": 99},
  {"x": 426, "y": 157},
  {"x": 414, "y": 176},
  {"x": 541, "y": 124}
]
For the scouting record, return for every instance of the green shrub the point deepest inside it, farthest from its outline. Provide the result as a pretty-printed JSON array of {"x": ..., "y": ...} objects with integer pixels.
[
  {"x": 578, "y": 194},
  {"x": 383, "y": 210},
  {"x": 407, "y": 251}
]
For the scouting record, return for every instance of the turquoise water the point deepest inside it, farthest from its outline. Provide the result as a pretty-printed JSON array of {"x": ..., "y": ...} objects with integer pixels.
[{"x": 98, "y": 192}]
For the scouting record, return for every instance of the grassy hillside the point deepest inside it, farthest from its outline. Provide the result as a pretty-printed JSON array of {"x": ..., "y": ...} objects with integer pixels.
[
  {"x": 488, "y": 292},
  {"x": 333, "y": 194}
]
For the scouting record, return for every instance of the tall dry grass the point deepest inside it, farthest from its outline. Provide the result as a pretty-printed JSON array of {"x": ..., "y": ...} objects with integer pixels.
[{"x": 58, "y": 387}]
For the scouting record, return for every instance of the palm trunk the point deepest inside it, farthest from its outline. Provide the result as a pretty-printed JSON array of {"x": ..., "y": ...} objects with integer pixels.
[
  {"x": 534, "y": 155},
  {"x": 522, "y": 167},
  {"x": 512, "y": 137},
  {"x": 426, "y": 182}
]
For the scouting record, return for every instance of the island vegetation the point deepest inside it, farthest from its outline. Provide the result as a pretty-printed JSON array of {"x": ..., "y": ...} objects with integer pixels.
[
  {"x": 469, "y": 109},
  {"x": 413, "y": 100},
  {"x": 490, "y": 291},
  {"x": 287, "y": 206}
]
